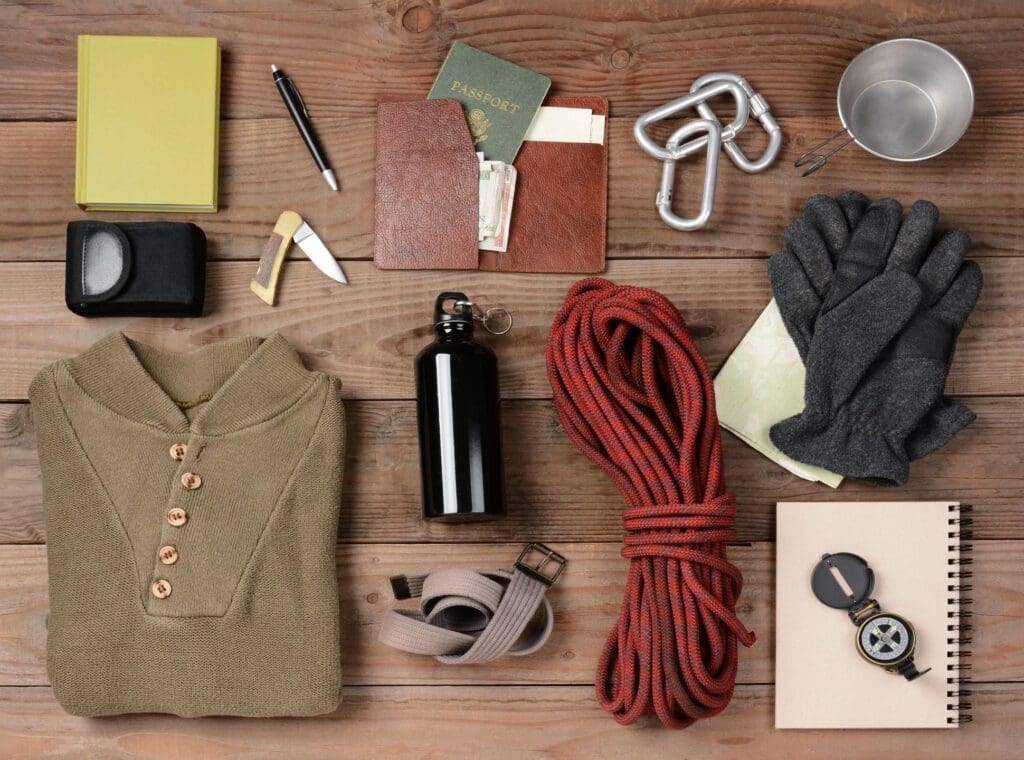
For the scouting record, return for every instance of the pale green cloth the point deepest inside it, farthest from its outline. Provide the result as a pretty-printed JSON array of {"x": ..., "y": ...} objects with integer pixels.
[{"x": 761, "y": 383}]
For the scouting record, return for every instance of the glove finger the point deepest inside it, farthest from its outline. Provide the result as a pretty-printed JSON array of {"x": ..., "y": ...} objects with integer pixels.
[
  {"x": 853, "y": 204},
  {"x": 959, "y": 299},
  {"x": 804, "y": 243},
  {"x": 848, "y": 339},
  {"x": 826, "y": 216},
  {"x": 914, "y": 238},
  {"x": 798, "y": 303},
  {"x": 943, "y": 264},
  {"x": 866, "y": 254}
]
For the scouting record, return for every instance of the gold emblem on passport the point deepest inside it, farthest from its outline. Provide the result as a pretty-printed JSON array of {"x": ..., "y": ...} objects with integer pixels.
[
  {"x": 499, "y": 98},
  {"x": 478, "y": 125}
]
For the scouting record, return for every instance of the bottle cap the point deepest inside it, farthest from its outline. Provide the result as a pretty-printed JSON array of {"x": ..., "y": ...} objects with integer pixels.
[{"x": 453, "y": 307}]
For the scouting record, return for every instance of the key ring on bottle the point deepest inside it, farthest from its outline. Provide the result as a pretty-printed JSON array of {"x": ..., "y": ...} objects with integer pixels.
[{"x": 495, "y": 315}]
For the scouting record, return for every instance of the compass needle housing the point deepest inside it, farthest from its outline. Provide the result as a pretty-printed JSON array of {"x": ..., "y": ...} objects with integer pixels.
[{"x": 844, "y": 581}]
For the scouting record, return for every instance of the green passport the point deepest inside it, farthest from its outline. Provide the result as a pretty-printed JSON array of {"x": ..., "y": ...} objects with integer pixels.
[{"x": 500, "y": 99}]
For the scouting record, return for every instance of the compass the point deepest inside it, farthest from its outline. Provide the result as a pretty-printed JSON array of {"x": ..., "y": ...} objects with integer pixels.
[
  {"x": 844, "y": 581},
  {"x": 885, "y": 638}
]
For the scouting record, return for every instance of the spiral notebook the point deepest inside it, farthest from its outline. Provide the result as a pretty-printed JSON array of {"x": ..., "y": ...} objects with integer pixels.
[{"x": 918, "y": 553}]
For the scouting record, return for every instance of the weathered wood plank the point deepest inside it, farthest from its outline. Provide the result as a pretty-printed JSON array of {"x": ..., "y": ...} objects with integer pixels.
[
  {"x": 265, "y": 169},
  {"x": 555, "y": 494},
  {"x": 346, "y": 54},
  {"x": 586, "y": 601},
  {"x": 481, "y": 721},
  {"x": 369, "y": 332}
]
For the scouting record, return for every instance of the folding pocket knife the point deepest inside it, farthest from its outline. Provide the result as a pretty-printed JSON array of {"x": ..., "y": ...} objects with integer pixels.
[{"x": 289, "y": 227}]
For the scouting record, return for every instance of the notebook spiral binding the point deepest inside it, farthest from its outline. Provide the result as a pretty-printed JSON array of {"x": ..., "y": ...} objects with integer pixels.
[{"x": 958, "y": 630}]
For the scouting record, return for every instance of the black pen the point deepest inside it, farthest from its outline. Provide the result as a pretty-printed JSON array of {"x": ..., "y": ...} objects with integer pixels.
[{"x": 292, "y": 99}]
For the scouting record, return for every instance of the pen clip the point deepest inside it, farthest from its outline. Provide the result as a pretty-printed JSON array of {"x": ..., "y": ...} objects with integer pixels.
[{"x": 298, "y": 96}]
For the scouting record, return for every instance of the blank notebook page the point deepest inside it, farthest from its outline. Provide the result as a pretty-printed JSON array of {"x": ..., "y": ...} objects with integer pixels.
[{"x": 821, "y": 680}]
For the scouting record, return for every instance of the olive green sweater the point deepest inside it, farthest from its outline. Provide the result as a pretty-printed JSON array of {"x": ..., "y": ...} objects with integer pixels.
[{"x": 191, "y": 513}]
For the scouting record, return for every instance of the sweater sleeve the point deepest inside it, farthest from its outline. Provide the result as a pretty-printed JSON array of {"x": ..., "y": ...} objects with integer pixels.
[
  {"x": 319, "y": 475},
  {"x": 55, "y": 441}
]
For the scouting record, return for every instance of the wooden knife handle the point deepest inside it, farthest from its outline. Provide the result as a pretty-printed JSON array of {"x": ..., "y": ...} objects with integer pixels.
[{"x": 264, "y": 284}]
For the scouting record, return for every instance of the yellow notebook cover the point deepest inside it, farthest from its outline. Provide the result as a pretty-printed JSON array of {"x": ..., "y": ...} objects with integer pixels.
[{"x": 148, "y": 123}]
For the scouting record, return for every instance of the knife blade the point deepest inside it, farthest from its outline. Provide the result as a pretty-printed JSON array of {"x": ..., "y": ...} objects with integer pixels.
[{"x": 317, "y": 252}]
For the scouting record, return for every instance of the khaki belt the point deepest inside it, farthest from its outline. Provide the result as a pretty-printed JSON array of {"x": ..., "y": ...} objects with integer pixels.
[{"x": 469, "y": 616}]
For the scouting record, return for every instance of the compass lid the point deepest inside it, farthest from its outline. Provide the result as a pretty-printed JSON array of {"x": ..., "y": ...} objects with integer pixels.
[{"x": 842, "y": 580}]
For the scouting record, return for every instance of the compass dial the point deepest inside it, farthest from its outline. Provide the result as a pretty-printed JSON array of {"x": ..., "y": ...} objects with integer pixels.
[{"x": 885, "y": 639}]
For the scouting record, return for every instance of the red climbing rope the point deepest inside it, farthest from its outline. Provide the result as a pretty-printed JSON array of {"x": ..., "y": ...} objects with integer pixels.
[{"x": 634, "y": 394}]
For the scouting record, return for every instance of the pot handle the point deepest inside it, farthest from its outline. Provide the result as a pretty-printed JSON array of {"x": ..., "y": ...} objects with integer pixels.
[{"x": 814, "y": 158}]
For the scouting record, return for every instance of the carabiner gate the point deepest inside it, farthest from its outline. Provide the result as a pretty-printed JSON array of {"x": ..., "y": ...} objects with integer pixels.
[{"x": 715, "y": 138}]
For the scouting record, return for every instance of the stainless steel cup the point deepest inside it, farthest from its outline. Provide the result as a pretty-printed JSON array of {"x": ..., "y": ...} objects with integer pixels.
[{"x": 903, "y": 100}]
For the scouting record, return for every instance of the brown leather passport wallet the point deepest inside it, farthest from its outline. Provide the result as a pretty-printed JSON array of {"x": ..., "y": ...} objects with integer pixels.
[{"x": 426, "y": 206}]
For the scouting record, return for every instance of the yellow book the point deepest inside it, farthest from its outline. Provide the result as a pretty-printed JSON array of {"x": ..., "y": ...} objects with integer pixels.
[{"x": 148, "y": 123}]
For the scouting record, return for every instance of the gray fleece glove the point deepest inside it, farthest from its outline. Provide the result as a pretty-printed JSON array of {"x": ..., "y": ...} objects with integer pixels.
[
  {"x": 882, "y": 342},
  {"x": 801, "y": 276}
]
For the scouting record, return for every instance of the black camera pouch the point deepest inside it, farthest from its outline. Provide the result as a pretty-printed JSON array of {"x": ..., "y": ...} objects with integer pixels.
[{"x": 140, "y": 269}]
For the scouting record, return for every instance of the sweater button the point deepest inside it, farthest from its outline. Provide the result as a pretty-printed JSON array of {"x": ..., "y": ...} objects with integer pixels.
[
  {"x": 161, "y": 589},
  {"x": 178, "y": 451},
  {"x": 191, "y": 481},
  {"x": 168, "y": 555},
  {"x": 177, "y": 517}
]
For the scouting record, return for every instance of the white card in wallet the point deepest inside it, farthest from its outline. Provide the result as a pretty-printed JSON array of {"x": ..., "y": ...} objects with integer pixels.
[{"x": 570, "y": 125}]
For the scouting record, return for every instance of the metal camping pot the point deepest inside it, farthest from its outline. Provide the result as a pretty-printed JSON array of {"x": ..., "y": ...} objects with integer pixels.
[{"x": 903, "y": 99}]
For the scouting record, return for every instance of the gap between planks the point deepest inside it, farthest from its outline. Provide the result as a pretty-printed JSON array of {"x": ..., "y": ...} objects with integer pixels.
[{"x": 586, "y": 600}]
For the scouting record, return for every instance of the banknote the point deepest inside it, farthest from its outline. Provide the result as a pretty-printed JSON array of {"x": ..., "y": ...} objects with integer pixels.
[
  {"x": 484, "y": 195},
  {"x": 499, "y": 240},
  {"x": 492, "y": 183}
]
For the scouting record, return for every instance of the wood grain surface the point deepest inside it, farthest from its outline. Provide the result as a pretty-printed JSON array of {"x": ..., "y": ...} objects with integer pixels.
[
  {"x": 487, "y": 722},
  {"x": 346, "y": 55},
  {"x": 368, "y": 333},
  {"x": 586, "y": 600},
  {"x": 555, "y": 494},
  {"x": 36, "y": 198}
]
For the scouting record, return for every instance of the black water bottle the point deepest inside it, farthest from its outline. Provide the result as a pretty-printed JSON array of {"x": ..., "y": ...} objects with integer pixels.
[{"x": 457, "y": 405}]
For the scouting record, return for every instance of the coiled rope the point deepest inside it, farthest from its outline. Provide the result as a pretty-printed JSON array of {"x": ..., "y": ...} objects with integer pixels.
[{"x": 634, "y": 394}]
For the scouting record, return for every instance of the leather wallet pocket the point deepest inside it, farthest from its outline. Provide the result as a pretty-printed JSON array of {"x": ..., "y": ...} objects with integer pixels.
[
  {"x": 560, "y": 210},
  {"x": 426, "y": 210},
  {"x": 143, "y": 269},
  {"x": 427, "y": 207}
]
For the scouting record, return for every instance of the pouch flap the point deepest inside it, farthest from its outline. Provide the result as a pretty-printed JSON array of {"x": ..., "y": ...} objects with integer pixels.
[
  {"x": 99, "y": 261},
  {"x": 426, "y": 208}
]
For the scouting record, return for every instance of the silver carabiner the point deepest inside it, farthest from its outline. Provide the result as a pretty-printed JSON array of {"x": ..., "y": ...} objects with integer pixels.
[
  {"x": 708, "y": 134},
  {"x": 713, "y": 140},
  {"x": 694, "y": 99},
  {"x": 759, "y": 109}
]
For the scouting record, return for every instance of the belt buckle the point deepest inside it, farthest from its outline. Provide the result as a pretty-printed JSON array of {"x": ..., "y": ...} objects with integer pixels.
[{"x": 536, "y": 571}]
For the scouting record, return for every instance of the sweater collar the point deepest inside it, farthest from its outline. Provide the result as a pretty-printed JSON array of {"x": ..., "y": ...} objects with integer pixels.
[{"x": 235, "y": 383}]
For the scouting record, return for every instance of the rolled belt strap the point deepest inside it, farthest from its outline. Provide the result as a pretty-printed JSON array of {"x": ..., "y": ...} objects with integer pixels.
[{"x": 468, "y": 616}]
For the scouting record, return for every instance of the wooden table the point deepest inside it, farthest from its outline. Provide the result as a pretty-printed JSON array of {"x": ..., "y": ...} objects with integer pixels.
[{"x": 346, "y": 55}]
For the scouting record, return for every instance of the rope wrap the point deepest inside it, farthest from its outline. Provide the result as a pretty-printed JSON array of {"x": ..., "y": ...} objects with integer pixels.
[{"x": 634, "y": 394}]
